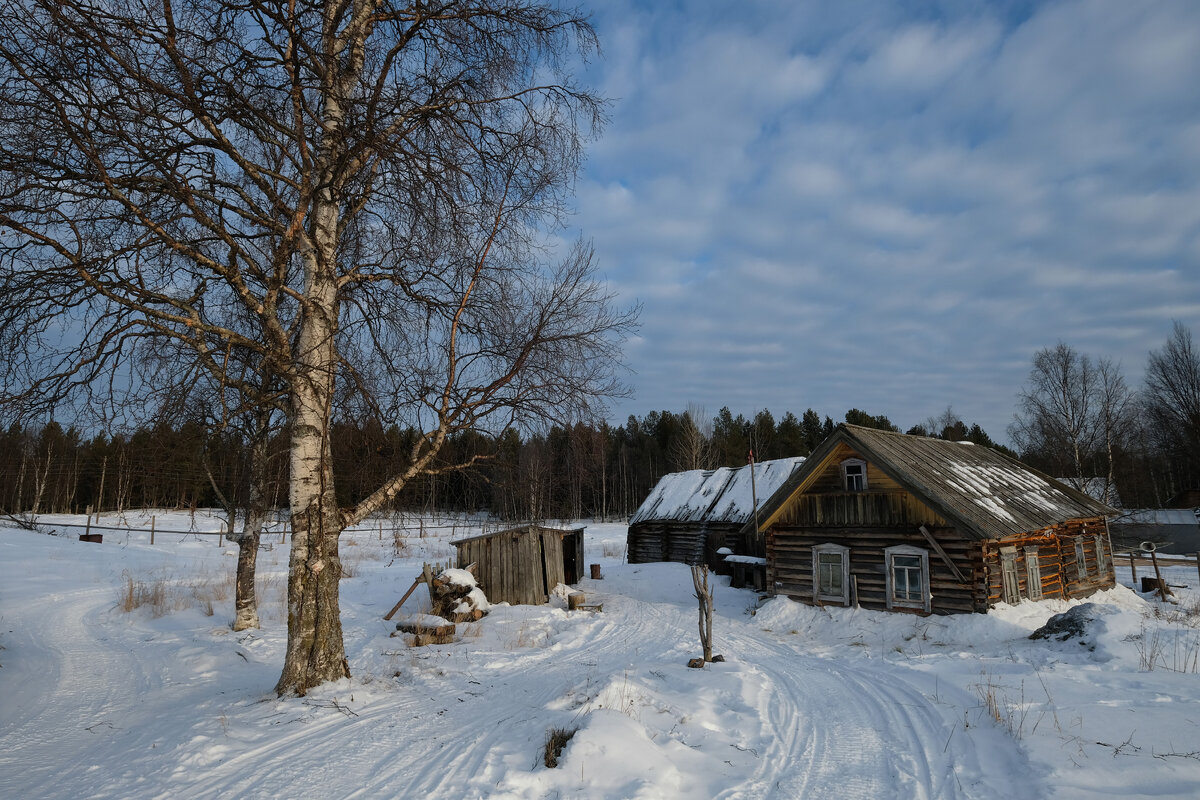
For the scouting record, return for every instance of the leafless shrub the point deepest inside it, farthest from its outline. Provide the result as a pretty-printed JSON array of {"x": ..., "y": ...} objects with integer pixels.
[
  {"x": 1007, "y": 712},
  {"x": 1165, "y": 648},
  {"x": 140, "y": 594},
  {"x": 613, "y": 549},
  {"x": 556, "y": 740}
]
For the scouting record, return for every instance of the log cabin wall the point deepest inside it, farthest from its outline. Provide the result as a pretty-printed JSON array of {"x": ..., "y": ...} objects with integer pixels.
[
  {"x": 1058, "y": 562},
  {"x": 685, "y": 542},
  {"x": 790, "y": 564}
]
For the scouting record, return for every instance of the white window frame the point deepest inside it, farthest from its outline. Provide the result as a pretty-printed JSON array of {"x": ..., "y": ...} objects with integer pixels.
[
  {"x": 854, "y": 462},
  {"x": 1101, "y": 556},
  {"x": 1033, "y": 573},
  {"x": 1080, "y": 560},
  {"x": 889, "y": 555},
  {"x": 1010, "y": 581},
  {"x": 844, "y": 553}
]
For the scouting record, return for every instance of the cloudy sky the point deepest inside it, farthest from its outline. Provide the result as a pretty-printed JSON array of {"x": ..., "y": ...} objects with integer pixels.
[{"x": 892, "y": 206}]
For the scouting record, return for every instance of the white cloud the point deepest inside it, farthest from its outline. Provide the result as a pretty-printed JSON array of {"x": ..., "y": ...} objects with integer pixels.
[{"x": 829, "y": 206}]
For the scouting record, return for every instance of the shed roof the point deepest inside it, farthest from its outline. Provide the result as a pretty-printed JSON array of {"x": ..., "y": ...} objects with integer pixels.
[
  {"x": 518, "y": 529},
  {"x": 986, "y": 494},
  {"x": 714, "y": 495}
]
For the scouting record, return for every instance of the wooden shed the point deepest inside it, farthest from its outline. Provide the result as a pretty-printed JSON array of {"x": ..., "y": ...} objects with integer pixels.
[
  {"x": 521, "y": 565},
  {"x": 909, "y": 523},
  {"x": 690, "y": 515}
]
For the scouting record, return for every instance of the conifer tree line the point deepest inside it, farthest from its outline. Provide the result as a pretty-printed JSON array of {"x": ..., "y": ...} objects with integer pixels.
[
  {"x": 1075, "y": 419},
  {"x": 574, "y": 471}
]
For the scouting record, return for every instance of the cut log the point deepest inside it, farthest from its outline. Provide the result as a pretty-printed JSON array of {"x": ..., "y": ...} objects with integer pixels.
[{"x": 426, "y": 629}]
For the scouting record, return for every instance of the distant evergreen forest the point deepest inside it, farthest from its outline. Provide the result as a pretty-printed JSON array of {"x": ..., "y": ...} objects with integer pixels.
[
  {"x": 567, "y": 472},
  {"x": 580, "y": 471}
]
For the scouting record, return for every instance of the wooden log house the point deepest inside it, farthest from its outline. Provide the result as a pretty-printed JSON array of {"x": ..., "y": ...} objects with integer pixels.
[
  {"x": 921, "y": 525},
  {"x": 689, "y": 515},
  {"x": 523, "y": 565}
]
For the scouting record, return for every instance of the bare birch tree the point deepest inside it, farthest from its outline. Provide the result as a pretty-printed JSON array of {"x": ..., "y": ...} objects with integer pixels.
[
  {"x": 1076, "y": 414},
  {"x": 1172, "y": 401},
  {"x": 350, "y": 190}
]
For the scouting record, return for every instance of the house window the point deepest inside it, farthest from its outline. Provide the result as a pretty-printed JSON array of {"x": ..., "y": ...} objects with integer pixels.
[
  {"x": 1010, "y": 586},
  {"x": 1101, "y": 556},
  {"x": 1080, "y": 561},
  {"x": 907, "y": 577},
  {"x": 854, "y": 475},
  {"x": 831, "y": 574},
  {"x": 1033, "y": 573}
]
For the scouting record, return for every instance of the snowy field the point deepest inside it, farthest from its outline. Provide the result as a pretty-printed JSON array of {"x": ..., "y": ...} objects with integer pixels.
[{"x": 164, "y": 700}]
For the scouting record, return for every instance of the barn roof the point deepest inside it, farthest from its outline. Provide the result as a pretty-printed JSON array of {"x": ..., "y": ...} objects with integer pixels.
[
  {"x": 714, "y": 495},
  {"x": 520, "y": 529},
  {"x": 983, "y": 492}
]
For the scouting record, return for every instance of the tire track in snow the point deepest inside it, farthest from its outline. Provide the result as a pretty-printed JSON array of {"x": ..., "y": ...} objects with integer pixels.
[
  {"x": 467, "y": 744},
  {"x": 74, "y": 711},
  {"x": 864, "y": 731}
]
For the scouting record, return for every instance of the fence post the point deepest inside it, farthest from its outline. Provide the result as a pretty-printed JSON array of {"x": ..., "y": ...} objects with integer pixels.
[
  {"x": 220, "y": 534},
  {"x": 381, "y": 530},
  {"x": 152, "y": 518},
  {"x": 1198, "y": 564},
  {"x": 1133, "y": 569},
  {"x": 87, "y": 531}
]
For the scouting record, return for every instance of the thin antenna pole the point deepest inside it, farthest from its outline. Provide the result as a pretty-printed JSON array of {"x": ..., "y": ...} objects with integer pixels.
[{"x": 754, "y": 497}]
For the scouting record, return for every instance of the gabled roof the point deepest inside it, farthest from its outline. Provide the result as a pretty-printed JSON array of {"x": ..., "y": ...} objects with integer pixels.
[
  {"x": 983, "y": 493},
  {"x": 714, "y": 495}
]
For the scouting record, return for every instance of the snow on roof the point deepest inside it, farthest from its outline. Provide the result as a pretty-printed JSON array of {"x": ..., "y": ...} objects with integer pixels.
[
  {"x": 981, "y": 489},
  {"x": 984, "y": 493},
  {"x": 714, "y": 495}
]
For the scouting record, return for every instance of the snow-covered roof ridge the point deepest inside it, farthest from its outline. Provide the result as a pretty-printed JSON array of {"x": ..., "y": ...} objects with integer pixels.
[{"x": 714, "y": 495}]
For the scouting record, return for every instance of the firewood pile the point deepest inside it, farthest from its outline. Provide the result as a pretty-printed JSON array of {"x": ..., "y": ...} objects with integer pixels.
[{"x": 457, "y": 597}]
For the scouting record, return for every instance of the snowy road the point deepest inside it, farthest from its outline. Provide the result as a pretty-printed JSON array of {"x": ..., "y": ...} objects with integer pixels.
[{"x": 99, "y": 703}]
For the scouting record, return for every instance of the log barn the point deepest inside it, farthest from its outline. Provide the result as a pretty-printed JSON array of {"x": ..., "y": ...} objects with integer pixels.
[
  {"x": 909, "y": 523},
  {"x": 689, "y": 515},
  {"x": 522, "y": 565}
]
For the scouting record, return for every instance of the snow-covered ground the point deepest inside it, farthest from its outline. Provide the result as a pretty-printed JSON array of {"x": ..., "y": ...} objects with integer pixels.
[{"x": 166, "y": 701}]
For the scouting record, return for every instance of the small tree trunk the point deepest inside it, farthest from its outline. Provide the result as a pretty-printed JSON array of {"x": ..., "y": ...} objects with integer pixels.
[
  {"x": 246, "y": 600},
  {"x": 704, "y": 595}
]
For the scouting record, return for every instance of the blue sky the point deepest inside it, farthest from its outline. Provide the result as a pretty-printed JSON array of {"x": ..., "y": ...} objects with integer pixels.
[{"x": 888, "y": 205}]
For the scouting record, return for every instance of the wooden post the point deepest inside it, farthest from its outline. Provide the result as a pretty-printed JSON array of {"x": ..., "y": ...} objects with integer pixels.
[
  {"x": 595, "y": 572},
  {"x": 87, "y": 531},
  {"x": 1198, "y": 564},
  {"x": 381, "y": 530},
  {"x": 1133, "y": 568},
  {"x": 574, "y": 600},
  {"x": 152, "y": 518},
  {"x": 704, "y": 596},
  {"x": 396, "y": 607},
  {"x": 1163, "y": 591}
]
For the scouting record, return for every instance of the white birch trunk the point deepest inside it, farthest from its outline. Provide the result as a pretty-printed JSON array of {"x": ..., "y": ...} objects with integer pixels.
[{"x": 315, "y": 650}]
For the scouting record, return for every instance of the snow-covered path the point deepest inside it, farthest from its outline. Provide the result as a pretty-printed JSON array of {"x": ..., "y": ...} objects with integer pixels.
[{"x": 99, "y": 703}]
